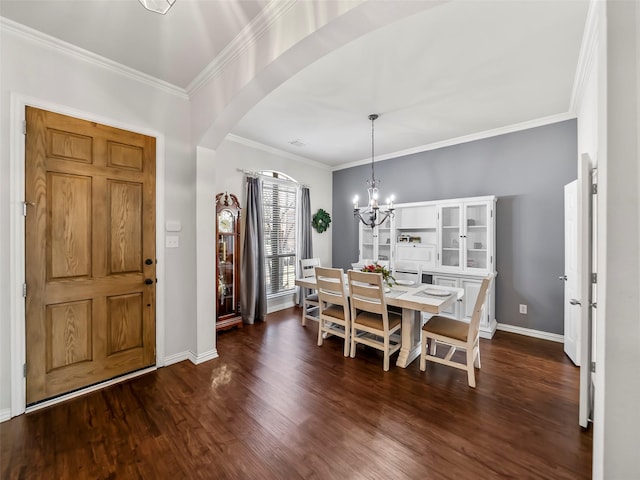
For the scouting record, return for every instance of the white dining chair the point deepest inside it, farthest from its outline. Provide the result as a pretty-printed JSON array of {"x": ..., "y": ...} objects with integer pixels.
[
  {"x": 371, "y": 323},
  {"x": 335, "y": 318},
  {"x": 456, "y": 334},
  {"x": 410, "y": 275},
  {"x": 310, "y": 305}
]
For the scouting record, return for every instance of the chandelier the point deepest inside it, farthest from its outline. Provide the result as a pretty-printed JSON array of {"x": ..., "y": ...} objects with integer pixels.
[
  {"x": 373, "y": 215},
  {"x": 158, "y": 6}
]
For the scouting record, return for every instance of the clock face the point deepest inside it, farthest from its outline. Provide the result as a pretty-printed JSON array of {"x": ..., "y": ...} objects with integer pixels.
[{"x": 225, "y": 221}]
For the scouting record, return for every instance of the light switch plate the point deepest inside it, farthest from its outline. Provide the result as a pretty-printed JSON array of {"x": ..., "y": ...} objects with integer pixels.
[
  {"x": 173, "y": 226},
  {"x": 172, "y": 241}
]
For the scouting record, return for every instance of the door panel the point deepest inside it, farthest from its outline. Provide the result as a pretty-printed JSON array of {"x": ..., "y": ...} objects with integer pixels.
[
  {"x": 125, "y": 316},
  {"x": 68, "y": 334},
  {"x": 90, "y": 316},
  {"x": 571, "y": 276},
  {"x": 471, "y": 290},
  {"x": 68, "y": 226},
  {"x": 450, "y": 236},
  {"x": 125, "y": 227}
]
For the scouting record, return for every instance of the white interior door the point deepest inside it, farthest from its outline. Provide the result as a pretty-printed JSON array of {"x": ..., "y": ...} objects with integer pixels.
[
  {"x": 587, "y": 220},
  {"x": 572, "y": 326}
]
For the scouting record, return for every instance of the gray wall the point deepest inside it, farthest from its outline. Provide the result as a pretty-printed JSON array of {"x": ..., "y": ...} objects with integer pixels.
[{"x": 526, "y": 170}]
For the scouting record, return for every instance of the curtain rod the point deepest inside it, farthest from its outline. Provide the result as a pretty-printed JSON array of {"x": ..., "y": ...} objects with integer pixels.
[{"x": 251, "y": 173}]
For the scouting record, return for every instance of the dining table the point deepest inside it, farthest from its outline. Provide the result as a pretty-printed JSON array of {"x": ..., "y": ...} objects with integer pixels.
[{"x": 413, "y": 299}]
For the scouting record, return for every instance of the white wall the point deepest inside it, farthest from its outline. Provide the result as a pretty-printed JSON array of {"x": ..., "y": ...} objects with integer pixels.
[
  {"x": 588, "y": 105},
  {"x": 617, "y": 416},
  {"x": 51, "y": 76},
  {"x": 609, "y": 129}
]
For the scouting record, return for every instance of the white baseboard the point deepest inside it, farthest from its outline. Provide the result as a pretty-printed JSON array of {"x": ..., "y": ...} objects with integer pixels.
[
  {"x": 192, "y": 357},
  {"x": 177, "y": 358},
  {"x": 204, "y": 357},
  {"x": 5, "y": 415},
  {"x": 554, "y": 337}
]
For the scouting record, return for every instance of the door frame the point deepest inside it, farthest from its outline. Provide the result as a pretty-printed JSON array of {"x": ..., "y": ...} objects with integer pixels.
[{"x": 17, "y": 243}]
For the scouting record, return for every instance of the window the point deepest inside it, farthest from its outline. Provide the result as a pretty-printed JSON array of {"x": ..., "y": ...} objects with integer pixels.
[{"x": 279, "y": 200}]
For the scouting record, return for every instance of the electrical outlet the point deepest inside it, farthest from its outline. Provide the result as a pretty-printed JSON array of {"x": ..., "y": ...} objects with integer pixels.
[
  {"x": 523, "y": 309},
  {"x": 172, "y": 241}
]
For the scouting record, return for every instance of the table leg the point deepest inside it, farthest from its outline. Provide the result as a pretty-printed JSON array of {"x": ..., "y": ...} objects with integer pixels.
[{"x": 411, "y": 329}]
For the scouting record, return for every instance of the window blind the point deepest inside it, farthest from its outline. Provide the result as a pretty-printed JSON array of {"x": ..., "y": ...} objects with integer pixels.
[{"x": 279, "y": 208}]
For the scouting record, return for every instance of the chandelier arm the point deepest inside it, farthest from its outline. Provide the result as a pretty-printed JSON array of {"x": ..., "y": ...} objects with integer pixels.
[
  {"x": 380, "y": 221},
  {"x": 373, "y": 214},
  {"x": 358, "y": 215}
]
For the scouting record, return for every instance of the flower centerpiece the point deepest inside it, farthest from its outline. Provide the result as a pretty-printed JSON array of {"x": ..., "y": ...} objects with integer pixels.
[{"x": 386, "y": 274}]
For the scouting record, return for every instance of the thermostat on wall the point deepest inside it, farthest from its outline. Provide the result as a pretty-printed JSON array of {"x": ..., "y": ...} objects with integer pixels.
[{"x": 173, "y": 226}]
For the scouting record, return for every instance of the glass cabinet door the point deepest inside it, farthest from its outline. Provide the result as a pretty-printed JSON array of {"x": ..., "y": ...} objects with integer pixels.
[
  {"x": 450, "y": 236},
  {"x": 226, "y": 275},
  {"x": 384, "y": 241},
  {"x": 477, "y": 236},
  {"x": 366, "y": 244}
]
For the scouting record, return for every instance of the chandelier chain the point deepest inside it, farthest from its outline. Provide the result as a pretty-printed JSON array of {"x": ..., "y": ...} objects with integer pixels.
[
  {"x": 373, "y": 215},
  {"x": 373, "y": 118}
]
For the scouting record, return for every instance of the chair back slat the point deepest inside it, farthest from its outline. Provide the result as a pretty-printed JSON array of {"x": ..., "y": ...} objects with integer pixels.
[
  {"x": 331, "y": 288},
  {"x": 307, "y": 266},
  {"x": 474, "y": 324},
  {"x": 367, "y": 291}
]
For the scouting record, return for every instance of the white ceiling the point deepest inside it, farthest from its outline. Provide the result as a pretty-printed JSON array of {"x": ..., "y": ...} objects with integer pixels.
[{"x": 452, "y": 71}]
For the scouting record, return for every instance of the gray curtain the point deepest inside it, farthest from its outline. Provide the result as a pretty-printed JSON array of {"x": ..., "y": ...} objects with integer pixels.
[
  {"x": 305, "y": 238},
  {"x": 253, "y": 296}
]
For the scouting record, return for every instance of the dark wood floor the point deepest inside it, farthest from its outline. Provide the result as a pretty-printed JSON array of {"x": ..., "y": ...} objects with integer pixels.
[{"x": 276, "y": 406}]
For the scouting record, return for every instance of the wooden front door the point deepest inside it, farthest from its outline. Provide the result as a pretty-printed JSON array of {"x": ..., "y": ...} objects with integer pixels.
[{"x": 90, "y": 253}]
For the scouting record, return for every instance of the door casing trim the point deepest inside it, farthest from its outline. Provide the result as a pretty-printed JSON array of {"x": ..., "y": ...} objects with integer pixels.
[{"x": 19, "y": 103}]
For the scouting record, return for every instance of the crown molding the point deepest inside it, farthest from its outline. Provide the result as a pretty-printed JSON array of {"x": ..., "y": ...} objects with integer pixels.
[
  {"x": 516, "y": 127},
  {"x": 586, "y": 58},
  {"x": 275, "y": 151},
  {"x": 247, "y": 37},
  {"x": 52, "y": 43}
]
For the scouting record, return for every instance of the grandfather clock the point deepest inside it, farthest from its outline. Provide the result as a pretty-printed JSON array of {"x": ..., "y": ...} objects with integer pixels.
[{"x": 227, "y": 261}]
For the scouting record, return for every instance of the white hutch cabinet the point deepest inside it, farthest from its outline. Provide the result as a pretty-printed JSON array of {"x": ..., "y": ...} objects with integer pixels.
[{"x": 452, "y": 240}]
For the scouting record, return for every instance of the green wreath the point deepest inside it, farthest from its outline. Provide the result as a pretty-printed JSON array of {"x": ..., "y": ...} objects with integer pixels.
[{"x": 321, "y": 221}]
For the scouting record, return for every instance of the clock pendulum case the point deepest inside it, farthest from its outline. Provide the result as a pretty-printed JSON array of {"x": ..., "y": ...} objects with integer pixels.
[{"x": 227, "y": 261}]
